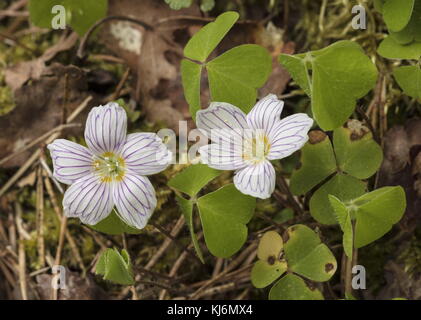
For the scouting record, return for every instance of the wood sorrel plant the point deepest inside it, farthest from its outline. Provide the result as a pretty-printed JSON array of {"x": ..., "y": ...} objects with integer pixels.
[
  {"x": 334, "y": 173},
  {"x": 338, "y": 158}
]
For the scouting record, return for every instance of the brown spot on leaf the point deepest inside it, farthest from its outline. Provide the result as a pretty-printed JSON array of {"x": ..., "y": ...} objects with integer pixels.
[
  {"x": 329, "y": 267},
  {"x": 316, "y": 136},
  {"x": 271, "y": 260}
]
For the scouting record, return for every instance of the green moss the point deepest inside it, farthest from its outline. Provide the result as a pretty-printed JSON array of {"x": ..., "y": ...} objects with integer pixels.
[{"x": 6, "y": 100}]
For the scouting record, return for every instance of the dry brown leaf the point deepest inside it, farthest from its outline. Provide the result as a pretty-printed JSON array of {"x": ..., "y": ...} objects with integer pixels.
[
  {"x": 39, "y": 109},
  {"x": 153, "y": 56},
  {"x": 16, "y": 76},
  {"x": 401, "y": 166}
]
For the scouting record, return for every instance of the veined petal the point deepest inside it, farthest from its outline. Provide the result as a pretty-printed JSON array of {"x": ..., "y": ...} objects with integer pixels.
[
  {"x": 144, "y": 153},
  {"x": 289, "y": 135},
  {"x": 230, "y": 121},
  {"x": 135, "y": 200},
  {"x": 106, "y": 128},
  {"x": 266, "y": 114},
  {"x": 89, "y": 199},
  {"x": 222, "y": 157},
  {"x": 256, "y": 180},
  {"x": 71, "y": 161}
]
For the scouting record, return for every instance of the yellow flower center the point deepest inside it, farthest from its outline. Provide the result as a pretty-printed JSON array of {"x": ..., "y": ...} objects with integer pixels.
[
  {"x": 109, "y": 166},
  {"x": 257, "y": 148}
]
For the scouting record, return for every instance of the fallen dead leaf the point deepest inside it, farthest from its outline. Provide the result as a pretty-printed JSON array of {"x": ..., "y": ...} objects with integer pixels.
[
  {"x": 402, "y": 166},
  {"x": 16, "y": 76},
  {"x": 40, "y": 108}
]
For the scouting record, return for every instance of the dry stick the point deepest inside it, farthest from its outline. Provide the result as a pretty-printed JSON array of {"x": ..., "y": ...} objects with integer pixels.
[
  {"x": 3, "y": 232},
  {"x": 177, "y": 266},
  {"x": 243, "y": 294},
  {"x": 134, "y": 293},
  {"x": 382, "y": 107},
  {"x": 224, "y": 277},
  {"x": 6, "y": 272},
  {"x": 167, "y": 242},
  {"x": 40, "y": 217},
  {"x": 39, "y": 271},
  {"x": 239, "y": 277},
  {"x": 22, "y": 255},
  {"x": 167, "y": 234},
  {"x": 250, "y": 259},
  {"x": 230, "y": 267},
  {"x": 224, "y": 288},
  {"x": 218, "y": 267},
  {"x": 63, "y": 229},
  {"x": 375, "y": 101},
  {"x": 49, "y": 174},
  {"x": 120, "y": 85},
  {"x": 14, "y": 7},
  {"x": 152, "y": 273},
  {"x": 37, "y": 141},
  {"x": 12, "y": 233},
  {"x": 10, "y": 13},
  {"x": 173, "y": 272},
  {"x": 171, "y": 237},
  {"x": 104, "y": 57},
  {"x": 37, "y": 153}
]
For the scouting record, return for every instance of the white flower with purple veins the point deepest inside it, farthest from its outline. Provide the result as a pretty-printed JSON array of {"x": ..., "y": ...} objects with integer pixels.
[
  {"x": 247, "y": 143},
  {"x": 111, "y": 171}
]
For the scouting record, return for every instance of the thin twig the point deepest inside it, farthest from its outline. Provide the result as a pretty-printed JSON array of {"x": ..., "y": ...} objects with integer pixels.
[
  {"x": 120, "y": 85},
  {"x": 171, "y": 238},
  {"x": 22, "y": 255},
  {"x": 15, "y": 6},
  {"x": 38, "y": 140},
  {"x": 177, "y": 266},
  {"x": 244, "y": 254},
  {"x": 40, "y": 217}
]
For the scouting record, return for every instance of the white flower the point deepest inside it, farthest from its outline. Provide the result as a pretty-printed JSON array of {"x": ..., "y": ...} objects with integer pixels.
[
  {"x": 111, "y": 171},
  {"x": 247, "y": 143}
]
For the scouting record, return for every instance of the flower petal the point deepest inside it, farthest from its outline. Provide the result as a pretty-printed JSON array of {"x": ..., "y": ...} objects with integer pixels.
[
  {"x": 222, "y": 157},
  {"x": 135, "y": 200},
  {"x": 71, "y": 161},
  {"x": 144, "y": 153},
  {"x": 289, "y": 135},
  {"x": 89, "y": 199},
  {"x": 256, "y": 180},
  {"x": 230, "y": 121},
  {"x": 266, "y": 114},
  {"x": 106, "y": 128}
]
